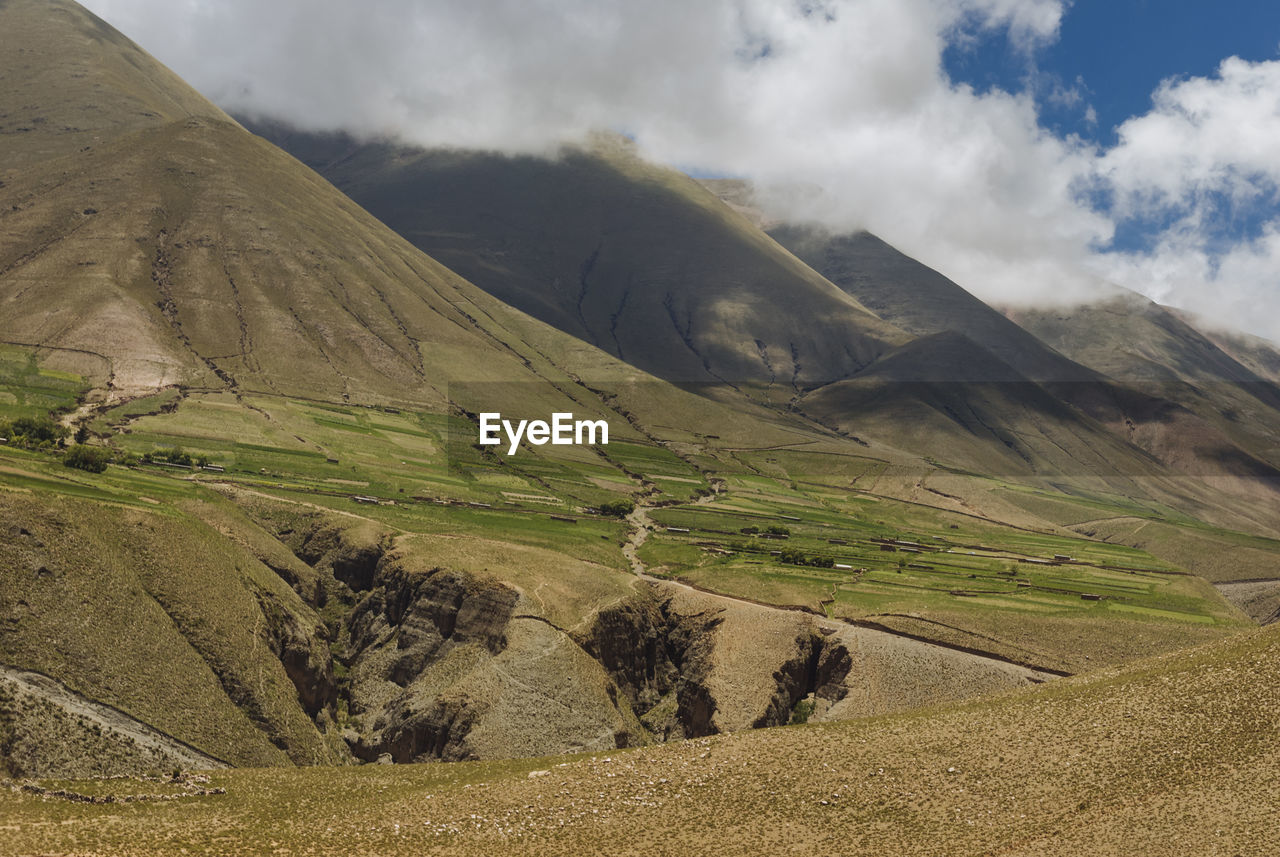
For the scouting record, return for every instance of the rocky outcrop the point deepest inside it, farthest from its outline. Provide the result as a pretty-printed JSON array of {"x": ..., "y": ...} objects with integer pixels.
[
  {"x": 667, "y": 655},
  {"x": 817, "y": 673},
  {"x": 303, "y": 651},
  {"x": 418, "y": 615},
  {"x": 438, "y": 732},
  {"x": 351, "y": 556},
  {"x": 658, "y": 658},
  {"x": 405, "y": 628}
]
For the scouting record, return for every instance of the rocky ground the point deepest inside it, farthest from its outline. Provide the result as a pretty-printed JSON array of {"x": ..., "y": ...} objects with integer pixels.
[{"x": 1171, "y": 756}]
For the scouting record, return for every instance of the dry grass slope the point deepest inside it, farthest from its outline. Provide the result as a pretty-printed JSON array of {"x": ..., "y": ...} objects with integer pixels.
[{"x": 1171, "y": 756}]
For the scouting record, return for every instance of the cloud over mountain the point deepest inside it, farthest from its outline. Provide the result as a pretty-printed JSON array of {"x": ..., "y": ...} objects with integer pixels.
[{"x": 843, "y": 109}]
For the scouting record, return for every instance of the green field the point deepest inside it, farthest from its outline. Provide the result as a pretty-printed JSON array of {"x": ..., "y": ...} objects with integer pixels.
[
  {"x": 28, "y": 389},
  {"x": 849, "y": 553}
]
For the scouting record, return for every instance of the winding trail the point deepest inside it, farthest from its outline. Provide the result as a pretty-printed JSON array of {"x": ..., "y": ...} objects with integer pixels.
[{"x": 641, "y": 528}]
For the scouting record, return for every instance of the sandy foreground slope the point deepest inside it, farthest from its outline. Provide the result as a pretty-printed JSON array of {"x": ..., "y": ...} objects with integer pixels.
[{"x": 1176, "y": 755}]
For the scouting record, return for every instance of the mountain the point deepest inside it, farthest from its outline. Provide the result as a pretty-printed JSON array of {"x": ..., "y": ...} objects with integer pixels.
[
  {"x": 600, "y": 244},
  {"x": 149, "y": 240},
  {"x": 603, "y": 246},
  {"x": 190, "y": 293},
  {"x": 247, "y": 519},
  {"x": 922, "y": 301},
  {"x": 636, "y": 259},
  {"x": 946, "y": 393},
  {"x": 1129, "y": 365},
  {"x": 1149, "y": 348},
  {"x": 1260, "y": 356}
]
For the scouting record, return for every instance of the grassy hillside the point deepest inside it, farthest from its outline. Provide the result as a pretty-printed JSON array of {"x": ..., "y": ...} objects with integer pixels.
[
  {"x": 102, "y": 86},
  {"x": 127, "y": 600},
  {"x": 1169, "y": 756}
]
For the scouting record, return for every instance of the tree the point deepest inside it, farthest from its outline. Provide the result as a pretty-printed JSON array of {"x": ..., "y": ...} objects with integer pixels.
[
  {"x": 91, "y": 458},
  {"x": 33, "y": 432},
  {"x": 617, "y": 508}
]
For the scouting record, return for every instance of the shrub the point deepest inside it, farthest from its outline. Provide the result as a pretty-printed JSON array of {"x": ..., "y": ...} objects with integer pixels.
[
  {"x": 172, "y": 455},
  {"x": 91, "y": 458},
  {"x": 803, "y": 711},
  {"x": 33, "y": 432},
  {"x": 795, "y": 557},
  {"x": 778, "y": 531},
  {"x": 617, "y": 508},
  {"x": 749, "y": 531}
]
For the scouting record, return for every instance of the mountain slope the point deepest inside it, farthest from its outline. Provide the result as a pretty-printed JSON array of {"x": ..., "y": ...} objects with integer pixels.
[
  {"x": 922, "y": 301},
  {"x": 102, "y": 86},
  {"x": 1145, "y": 400},
  {"x": 636, "y": 259},
  {"x": 947, "y": 394},
  {"x": 1148, "y": 348},
  {"x": 157, "y": 242},
  {"x": 1172, "y": 755},
  {"x": 1258, "y": 355}
]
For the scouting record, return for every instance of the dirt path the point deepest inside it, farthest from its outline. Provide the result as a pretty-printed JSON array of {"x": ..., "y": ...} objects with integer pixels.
[
  {"x": 642, "y": 526},
  {"x": 1112, "y": 520},
  {"x": 236, "y": 486},
  {"x": 108, "y": 718}
]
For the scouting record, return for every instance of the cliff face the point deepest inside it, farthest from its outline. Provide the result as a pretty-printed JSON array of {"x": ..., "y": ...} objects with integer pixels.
[
  {"x": 677, "y": 658},
  {"x": 445, "y": 664},
  {"x": 406, "y": 631},
  {"x": 658, "y": 660}
]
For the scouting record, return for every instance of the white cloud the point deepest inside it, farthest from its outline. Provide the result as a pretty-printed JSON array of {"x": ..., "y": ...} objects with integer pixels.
[
  {"x": 1203, "y": 137},
  {"x": 848, "y": 97},
  {"x": 1201, "y": 167}
]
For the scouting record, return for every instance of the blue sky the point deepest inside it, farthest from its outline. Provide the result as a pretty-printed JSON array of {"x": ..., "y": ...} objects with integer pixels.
[
  {"x": 1101, "y": 69},
  {"x": 1116, "y": 52}
]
